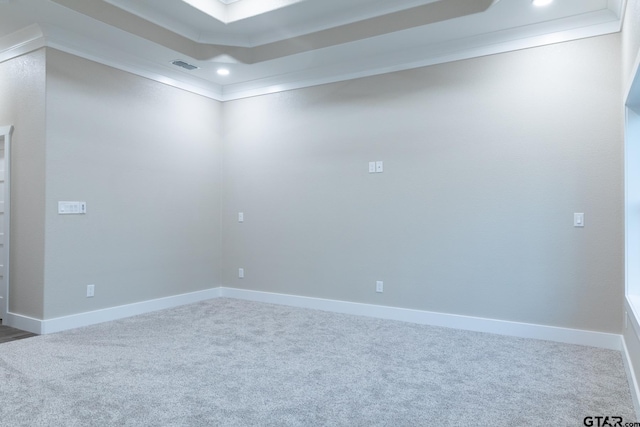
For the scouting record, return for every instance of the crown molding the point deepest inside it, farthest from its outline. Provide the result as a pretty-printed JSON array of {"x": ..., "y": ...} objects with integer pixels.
[{"x": 34, "y": 37}]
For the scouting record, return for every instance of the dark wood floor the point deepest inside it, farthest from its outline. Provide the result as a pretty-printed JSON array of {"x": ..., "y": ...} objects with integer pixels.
[{"x": 8, "y": 334}]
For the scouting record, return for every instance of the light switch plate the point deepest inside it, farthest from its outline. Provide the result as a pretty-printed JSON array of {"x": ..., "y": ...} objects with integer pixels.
[
  {"x": 578, "y": 220},
  {"x": 72, "y": 208}
]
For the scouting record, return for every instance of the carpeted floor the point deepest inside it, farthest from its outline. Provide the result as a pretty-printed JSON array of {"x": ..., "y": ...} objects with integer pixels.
[{"x": 228, "y": 362}]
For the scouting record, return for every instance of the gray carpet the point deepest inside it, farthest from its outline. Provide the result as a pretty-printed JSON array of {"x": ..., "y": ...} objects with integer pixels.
[{"x": 236, "y": 363}]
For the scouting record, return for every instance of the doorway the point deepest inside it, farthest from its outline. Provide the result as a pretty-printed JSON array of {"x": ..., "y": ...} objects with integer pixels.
[{"x": 5, "y": 211}]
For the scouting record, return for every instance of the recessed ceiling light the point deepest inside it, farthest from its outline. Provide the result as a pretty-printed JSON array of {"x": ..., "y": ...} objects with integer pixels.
[
  {"x": 223, "y": 72},
  {"x": 542, "y": 2}
]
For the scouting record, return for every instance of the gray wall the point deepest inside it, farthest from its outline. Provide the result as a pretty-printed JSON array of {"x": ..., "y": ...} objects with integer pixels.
[
  {"x": 486, "y": 160},
  {"x": 22, "y": 104},
  {"x": 146, "y": 158}
]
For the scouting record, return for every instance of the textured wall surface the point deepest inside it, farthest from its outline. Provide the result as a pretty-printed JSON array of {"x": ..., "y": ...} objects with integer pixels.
[
  {"x": 485, "y": 162},
  {"x": 146, "y": 158}
]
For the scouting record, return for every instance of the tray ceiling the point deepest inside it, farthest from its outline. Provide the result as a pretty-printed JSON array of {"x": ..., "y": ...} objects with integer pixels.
[{"x": 273, "y": 45}]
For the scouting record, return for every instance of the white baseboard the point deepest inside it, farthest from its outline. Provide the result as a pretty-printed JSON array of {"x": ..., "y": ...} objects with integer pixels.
[
  {"x": 478, "y": 324},
  {"x": 24, "y": 323},
  {"x": 58, "y": 324},
  {"x": 502, "y": 327}
]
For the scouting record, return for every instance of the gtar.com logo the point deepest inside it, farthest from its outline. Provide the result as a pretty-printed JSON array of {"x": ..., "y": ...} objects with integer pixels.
[{"x": 603, "y": 421}]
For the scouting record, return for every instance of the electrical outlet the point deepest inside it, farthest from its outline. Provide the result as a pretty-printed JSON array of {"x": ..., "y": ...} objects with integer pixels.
[
  {"x": 241, "y": 273},
  {"x": 240, "y": 217},
  {"x": 379, "y": 286},
  {"x": 376, "y": 167},
  {"x": 91, "y": 291}
]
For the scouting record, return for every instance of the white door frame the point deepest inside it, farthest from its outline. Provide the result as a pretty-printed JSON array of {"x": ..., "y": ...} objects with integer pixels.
[{"x": 5, "y": 132}]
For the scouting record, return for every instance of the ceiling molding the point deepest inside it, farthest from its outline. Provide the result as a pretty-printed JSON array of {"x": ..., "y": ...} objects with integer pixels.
[
  {"x": 291, "y": 19},
  {"x": 422, "y": 45},
  {"x": 427, "y": 14},
  {"x": 35, "y": 37},
  {"x": 21, "y": 42},
  {"x": 457, "y": 51}
]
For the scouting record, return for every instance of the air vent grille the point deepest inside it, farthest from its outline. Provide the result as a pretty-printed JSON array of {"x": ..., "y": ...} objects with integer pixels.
[{"x": 184, "y": 65}]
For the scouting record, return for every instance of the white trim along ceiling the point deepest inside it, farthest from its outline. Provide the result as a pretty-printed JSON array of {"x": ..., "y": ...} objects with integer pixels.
[{"x": 274, "y": 45}]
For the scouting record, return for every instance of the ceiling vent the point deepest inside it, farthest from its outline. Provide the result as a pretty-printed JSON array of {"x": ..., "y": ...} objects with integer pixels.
[{"x": 184, "y": 65}]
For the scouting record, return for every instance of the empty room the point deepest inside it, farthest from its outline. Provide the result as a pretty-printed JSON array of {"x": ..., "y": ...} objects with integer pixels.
[{"x": 319, "y": 212}]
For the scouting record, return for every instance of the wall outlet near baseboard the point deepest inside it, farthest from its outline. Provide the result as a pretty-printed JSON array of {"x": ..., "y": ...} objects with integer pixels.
[
  {"x": 379, "y": 286},
  {"x": 91, "y": 289},
  {"x": 241, "y": 273}
]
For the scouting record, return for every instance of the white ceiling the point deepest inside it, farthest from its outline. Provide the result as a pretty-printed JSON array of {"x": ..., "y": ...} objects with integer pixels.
[{"x": 274, "y": 45}]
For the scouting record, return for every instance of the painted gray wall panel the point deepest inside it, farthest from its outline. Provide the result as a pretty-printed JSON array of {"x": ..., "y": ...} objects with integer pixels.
[
  {"x": 486, "y": 160},
  {"x": 146, "y": 158}
]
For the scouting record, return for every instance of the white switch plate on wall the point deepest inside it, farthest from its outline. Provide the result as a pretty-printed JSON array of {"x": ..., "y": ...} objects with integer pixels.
[
  {"x": 72, "y": 208},
  {"x": 578, "y": 220}
]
